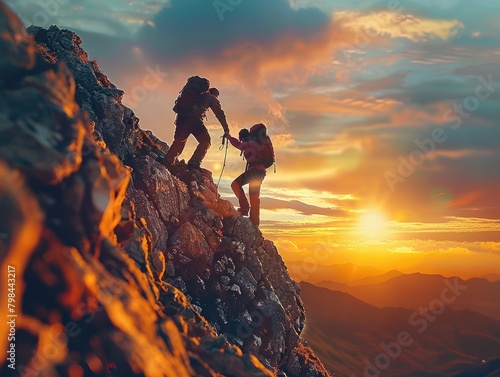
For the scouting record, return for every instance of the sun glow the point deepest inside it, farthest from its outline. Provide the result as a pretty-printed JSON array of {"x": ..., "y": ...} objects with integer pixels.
[{"x": 372, "y": 224}]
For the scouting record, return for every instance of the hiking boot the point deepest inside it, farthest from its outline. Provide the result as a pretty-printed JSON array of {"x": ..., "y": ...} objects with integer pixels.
[
  {"x": 166, "y": 163},
  {"x": 194, "y": 165},
  {"x": 243, "y": 211},
  {"x": 169, "y": 164}
]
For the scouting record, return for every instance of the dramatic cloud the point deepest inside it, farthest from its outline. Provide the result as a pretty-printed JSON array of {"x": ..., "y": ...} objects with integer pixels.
[
  {"x": 398, "y": 25},
  {"x": 346, "y": 89},
  {"x": 250, "y": 47},
  {"x": 187, "y": 29}
]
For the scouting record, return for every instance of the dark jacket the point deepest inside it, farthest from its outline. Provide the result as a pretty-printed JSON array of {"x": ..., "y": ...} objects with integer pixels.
[{"x": 209, "y": 101}]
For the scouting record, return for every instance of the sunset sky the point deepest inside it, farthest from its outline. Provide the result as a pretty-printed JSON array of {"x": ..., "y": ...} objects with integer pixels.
[{"x": 385, "y": 115}]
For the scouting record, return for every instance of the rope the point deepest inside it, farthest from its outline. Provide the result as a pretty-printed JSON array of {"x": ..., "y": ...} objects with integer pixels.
[{"x": 224, "y": 141}]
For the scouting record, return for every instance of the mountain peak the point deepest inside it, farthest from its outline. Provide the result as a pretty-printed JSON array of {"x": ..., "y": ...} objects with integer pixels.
[{"x": 161, "y": 276}]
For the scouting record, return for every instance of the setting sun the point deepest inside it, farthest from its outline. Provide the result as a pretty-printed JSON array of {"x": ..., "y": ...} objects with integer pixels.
[{"x": 372, "y": 224}]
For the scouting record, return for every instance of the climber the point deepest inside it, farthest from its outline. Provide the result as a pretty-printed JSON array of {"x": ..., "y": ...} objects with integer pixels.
[
  {"x": 258, "y": 152},
  {"x": 191, "y": 107}
]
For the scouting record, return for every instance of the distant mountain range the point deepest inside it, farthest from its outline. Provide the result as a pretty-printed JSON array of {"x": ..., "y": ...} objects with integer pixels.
[
  {"x": 416, "y": 291},
  {"x": 491, "y": 277},
  {"x": 356, "y": 339},
  {"x": 376, "y": 279},
  {"x": 315, "y": 271},
  {"x": 348, "y": 273}
]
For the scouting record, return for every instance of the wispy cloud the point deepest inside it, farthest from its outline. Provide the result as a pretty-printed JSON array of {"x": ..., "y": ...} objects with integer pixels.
[{"x": 399, "y": 25}]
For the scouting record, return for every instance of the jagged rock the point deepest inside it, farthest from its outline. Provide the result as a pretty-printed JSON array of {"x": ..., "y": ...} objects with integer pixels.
[
  {"x": 179, "y": 284},
  {"x": 48, "y": 156},
  {"x": 146, "y": 210},
  {"x": 194, "y": 253},
  {"x": 236, "y": 289},
  {"x": 303, "y": 362},
  {"x": 168, "y": 196},
  {"x": 137, "y": 247},
  {"x": 219, "y": 267},
  {"x": 247, "y": 283},
  {"x": 253, "y": 344},
  {"x": 18, "y": 52},
  {"x": 87, "y": 276},
  {"x": 170, "y": 268},
  {"x": 19, "y": 235},
  {"x": 193, "y": 186},
  {"x": 179, "y": 215},
  {"x": 183, "y": 260},
  {"x": 158, "y": 263}
]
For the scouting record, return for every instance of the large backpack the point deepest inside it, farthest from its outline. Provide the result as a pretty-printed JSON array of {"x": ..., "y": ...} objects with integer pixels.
[
  {"x": 258, "y": 132},
  {"x": 190, "y": 95}
]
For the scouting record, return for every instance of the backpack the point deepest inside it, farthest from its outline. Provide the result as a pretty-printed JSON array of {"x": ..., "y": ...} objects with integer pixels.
[
  {"x": 187, "y": 101},
  {"x": 258, "y": 132}
]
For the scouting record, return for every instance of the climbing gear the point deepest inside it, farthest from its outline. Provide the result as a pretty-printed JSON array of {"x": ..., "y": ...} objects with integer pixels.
[
  {"x": 226, "y": 142},
  {"x": 266, "y": 156},
  {"x": 190, "y": 95}
]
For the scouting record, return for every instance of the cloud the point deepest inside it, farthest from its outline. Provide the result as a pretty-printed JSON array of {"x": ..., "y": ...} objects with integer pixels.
[
  {"x": 187, "y": 29},
  {"x": 398, "y": 25},
  {"x": 493, "y": 247},
  {"x": 257, "y": 45},
  {"x": 403, "y": 250},
  {"x": 338, "y": 102},
  {"x": 285, "y": 245},
  {"x": 301, "y": 207}
]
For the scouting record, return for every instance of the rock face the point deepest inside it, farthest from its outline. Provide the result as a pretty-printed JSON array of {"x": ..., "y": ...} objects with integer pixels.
[{"x": 123, "y": 267}]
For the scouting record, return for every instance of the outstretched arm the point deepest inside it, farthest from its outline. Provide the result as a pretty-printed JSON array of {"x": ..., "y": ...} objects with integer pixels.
[
  {"x": 235, "y": 142},
  {"x": 219, "y": 113}
]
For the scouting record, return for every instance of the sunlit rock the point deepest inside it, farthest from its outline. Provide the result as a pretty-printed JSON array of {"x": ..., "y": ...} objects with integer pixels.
[{"x": 129, "y": 253}]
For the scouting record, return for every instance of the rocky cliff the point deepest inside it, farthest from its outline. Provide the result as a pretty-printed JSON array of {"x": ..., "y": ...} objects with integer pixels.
[{"x": 122, "y": 267}]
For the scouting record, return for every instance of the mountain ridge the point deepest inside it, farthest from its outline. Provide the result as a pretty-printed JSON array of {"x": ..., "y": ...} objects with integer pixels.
[
  {"x": 415, "y": 290},
  {"x": 121, "y": 247},
  {"x": 356, "y": 336}
]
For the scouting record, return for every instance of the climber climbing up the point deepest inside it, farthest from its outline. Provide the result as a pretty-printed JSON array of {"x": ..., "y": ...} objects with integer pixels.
[
  {"x": 259, "y": 154},
  {"x": 191, "y": 107}
]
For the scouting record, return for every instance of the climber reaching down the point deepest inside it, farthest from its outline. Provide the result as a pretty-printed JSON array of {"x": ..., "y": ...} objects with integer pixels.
[{"x": 191, "y": 107}]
